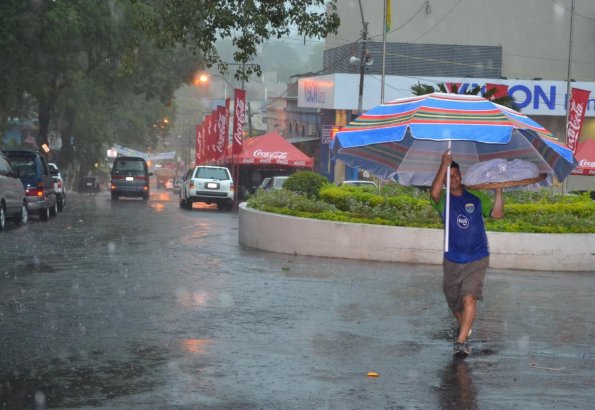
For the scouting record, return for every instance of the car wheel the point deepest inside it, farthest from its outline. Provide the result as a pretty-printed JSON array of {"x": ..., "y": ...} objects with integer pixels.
[
  {"x": 45, "y": 214},
  {"x": 2, "y": 218},
  {"x": 61, "y": 203},
  {"x": 146, "y": 197},
  {"x": 182, "y": 203},
  {"x": 114, "y": 196},
  {"x": 24, "y": 217},
  {"x": 54, "y": 209}
]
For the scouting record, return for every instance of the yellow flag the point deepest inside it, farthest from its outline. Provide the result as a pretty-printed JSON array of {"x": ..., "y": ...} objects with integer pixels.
[{"x": 388, "y": 16}]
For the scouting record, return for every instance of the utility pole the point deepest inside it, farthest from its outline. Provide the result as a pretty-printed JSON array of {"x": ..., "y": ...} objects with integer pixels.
[{"x": 362, "y": 61}]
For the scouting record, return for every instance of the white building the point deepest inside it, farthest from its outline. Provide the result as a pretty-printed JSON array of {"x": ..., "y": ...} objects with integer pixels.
[{"x": 526, "y": 45}]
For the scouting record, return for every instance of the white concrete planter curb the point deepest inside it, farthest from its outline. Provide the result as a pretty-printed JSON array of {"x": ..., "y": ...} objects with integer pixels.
[{"x": 312, "y": 237}]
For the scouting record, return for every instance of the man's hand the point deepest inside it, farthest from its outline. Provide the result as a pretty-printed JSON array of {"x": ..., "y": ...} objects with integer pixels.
[
  {"x": 436, "y": 189},
  {"x": 446, "y": 159}
]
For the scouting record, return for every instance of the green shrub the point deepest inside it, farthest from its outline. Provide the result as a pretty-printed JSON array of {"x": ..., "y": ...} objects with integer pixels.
[
  {"x": 306, "y": 182},
  {"x": 540, "y": 212}
]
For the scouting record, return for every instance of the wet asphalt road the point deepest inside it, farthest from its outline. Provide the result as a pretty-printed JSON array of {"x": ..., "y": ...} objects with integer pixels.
[{"x": 134, "y": 305}]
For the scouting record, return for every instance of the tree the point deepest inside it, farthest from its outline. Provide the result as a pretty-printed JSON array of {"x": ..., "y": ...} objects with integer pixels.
[
  {"x": 506, "y": 101},
  {"x": 90, "y": 73},
  {"x": 247, "y": 22}
]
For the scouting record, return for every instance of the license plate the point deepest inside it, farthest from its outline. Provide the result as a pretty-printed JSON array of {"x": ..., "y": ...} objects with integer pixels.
[
  {"x": 212, "y": 185},
  {"x": 129, "y": 178},
  {"x": 89, "y": 184}
]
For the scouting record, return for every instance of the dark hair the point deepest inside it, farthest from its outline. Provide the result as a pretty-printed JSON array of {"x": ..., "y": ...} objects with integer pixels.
[{"x": 454, "y": 164}]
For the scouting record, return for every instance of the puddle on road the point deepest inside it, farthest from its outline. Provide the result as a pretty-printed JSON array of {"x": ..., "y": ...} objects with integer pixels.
[{"x": 68, "y": 383}]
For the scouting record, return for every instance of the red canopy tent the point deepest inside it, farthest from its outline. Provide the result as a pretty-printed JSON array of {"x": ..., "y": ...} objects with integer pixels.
[
  {"x": 585, "y": 155},
  {"x": 271, "y": 149},
  {"x": 264, "y": 156}
]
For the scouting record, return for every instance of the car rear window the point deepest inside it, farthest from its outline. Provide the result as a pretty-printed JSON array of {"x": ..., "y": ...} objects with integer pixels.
[
  {"x": 129, "y": 165},
  {"x": 211, "y": 173},
  {"x": 24, "y": 164}
]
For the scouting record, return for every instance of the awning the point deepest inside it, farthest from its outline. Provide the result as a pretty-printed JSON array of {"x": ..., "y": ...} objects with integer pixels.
[{"x": 270, "y": 149}]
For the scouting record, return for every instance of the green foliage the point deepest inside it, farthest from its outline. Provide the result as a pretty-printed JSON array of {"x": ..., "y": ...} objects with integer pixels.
[
  {"x": 307, "y": 183},
  {"x": 536, "y": 212},
  {"x": 86, "y": 72},
  {"x": 247, "y": 23},
  {"x": 287, "y": 202}
]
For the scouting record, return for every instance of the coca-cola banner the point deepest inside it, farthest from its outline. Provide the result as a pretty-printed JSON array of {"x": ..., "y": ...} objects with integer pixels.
[
  {"x": 221, "y": 142},
  {"x": 208, "y": 130},
  {"x": 239, "y": 116},
  {"x": 576, "y": 115},
  {"x": 199, "y": 155}
]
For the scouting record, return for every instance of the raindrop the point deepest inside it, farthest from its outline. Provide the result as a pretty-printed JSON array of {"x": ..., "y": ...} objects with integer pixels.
[
  {"x": 111, "y": 248},
  {"x": 226, "y": 300},
  {"x": 39, "y": 400}
]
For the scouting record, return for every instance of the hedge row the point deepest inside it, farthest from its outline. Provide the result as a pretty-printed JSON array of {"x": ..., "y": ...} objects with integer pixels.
[{"x": 539, "y": 212}]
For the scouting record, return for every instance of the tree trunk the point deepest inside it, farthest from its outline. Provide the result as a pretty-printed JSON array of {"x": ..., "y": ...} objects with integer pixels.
[
  {"x": 45, "y": 114},
  {"x": 67, "y": 152}
]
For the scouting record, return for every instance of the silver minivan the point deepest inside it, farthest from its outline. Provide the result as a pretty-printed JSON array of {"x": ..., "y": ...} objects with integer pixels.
[{"x": 13, "y": 199}]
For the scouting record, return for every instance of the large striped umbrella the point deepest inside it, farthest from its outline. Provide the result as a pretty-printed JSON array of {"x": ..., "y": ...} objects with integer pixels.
[{"x": 405, "y": 139}]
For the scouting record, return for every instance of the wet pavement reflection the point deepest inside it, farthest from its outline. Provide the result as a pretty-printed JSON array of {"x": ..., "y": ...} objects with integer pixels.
[{"x": 143, "y": 305}]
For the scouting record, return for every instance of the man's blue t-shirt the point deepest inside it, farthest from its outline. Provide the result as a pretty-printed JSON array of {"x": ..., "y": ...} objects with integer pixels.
[{"x": 467, "y": 237}]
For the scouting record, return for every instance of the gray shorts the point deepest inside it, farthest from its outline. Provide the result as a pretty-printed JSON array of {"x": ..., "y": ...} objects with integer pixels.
[{"x": 462, "y": 279}]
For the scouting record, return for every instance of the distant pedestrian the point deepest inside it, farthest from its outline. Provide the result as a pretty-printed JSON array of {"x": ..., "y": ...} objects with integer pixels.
[{"x": 467, "y": 258}]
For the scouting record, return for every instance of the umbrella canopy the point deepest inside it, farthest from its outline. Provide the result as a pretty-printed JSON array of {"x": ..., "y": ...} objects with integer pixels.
[{"x": 405, "y": 139}]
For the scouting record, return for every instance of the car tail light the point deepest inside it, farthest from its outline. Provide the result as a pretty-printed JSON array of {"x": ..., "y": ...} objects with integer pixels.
[
  {"x": 191, "y": 185},
  {"x": 118, "y": 177},
  {"x": 141, "y": 178},
  {"x": 59, "y": 184},
  {"x": 232, "y": 187},
  {"x": 37, "y": 191}
]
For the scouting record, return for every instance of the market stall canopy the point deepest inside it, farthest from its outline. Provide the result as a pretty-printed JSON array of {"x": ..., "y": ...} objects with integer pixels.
[
  {"x": 585, "y": 155},
  {"x": 272, "y": 149}
]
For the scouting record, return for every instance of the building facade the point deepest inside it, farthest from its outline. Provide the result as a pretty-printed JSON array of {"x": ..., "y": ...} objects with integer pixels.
[{"x": 526, "y": 46}]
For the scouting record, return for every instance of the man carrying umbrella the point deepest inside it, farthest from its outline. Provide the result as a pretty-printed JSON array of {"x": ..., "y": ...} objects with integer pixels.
[{"x": 467, "y": 257}]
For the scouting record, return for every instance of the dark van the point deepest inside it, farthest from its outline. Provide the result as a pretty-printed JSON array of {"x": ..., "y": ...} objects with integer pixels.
[
  {"x": 130, "y": 178},
  {"x": 33, "y": 170}
]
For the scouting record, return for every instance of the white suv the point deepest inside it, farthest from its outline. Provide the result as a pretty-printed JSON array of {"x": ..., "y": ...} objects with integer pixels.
[
  {"x": 58, "y": 185},
  {"x": 209, "y": 185}
]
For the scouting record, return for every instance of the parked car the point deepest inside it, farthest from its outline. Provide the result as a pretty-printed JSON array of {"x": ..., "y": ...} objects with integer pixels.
[
  {"x": 34, "y": 172},
  {"x": 130, "y": 178},
  {"x": 177, "y": 186},
  {"x": 207, "y": 184},
  {"x": 58, "y": 185},
  {"x": 90, "y": 184},
  {"x": 273, "y": 183},
  {"x": 13, "y": 198},
  {"x": 361, "y": 183}
]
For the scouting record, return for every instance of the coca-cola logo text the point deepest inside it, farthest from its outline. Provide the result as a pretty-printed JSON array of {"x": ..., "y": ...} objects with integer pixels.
[
  {"x": 575, "y": 122},
  {"x": 270, "y": 155},
  {"x": 586, "y": 164}
]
